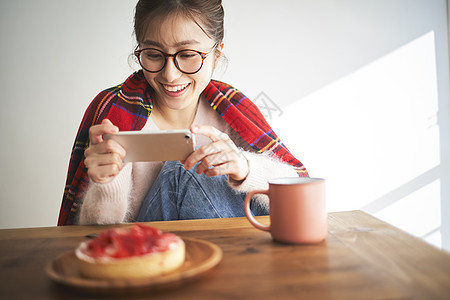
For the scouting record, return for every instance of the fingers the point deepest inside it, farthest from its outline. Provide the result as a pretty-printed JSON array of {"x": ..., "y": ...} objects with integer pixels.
[
  {"x": 217, "y": 164},
  {"x": 96, "y": 156},
  {"x": 227, "y": 162},
  {"x": 213, "y": 133},
  {"x": 218, "y": 158},
  {"x": 96, "y": 132},
  {"x": 206, "y": 154},
  {"x": 221, "y": 142},
  {"x": 103, "y": 158},
  {"x": 104, "y": 173},
  {"x": 105, "y": 147},
  {"x": 104, "y": 161}
]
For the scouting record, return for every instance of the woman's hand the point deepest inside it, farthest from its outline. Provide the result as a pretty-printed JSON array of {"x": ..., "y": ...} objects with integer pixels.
[
  {"x": 218, "y": 158},
  {"x": 104, "y": 159}
]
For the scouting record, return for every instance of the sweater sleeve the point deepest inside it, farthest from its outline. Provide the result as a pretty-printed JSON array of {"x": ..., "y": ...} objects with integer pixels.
[
  {"x": 107, "y": 203},
  {"x": 262, "y": 167}
]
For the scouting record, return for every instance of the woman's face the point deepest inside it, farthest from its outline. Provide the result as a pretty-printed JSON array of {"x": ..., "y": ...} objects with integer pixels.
[{"x": 174, "y": 89}]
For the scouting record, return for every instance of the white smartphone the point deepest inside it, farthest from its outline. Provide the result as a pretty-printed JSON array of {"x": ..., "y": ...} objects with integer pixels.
[{"x": 161, "y": 145}]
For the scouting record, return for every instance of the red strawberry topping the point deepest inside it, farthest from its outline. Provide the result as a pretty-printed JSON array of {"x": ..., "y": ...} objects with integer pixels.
[{"x": 135, "y": 241}]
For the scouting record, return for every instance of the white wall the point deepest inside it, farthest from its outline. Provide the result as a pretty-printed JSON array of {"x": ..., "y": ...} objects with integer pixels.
[
  {"x": 362, "y": 87},
  {"x": 55, "y": 57}
]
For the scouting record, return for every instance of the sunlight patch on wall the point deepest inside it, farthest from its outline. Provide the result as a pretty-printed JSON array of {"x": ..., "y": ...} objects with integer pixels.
[{"x": 373, "y": 131}]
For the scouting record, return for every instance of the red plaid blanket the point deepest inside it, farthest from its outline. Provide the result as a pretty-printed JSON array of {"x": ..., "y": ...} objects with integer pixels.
[{"x": 128, "y": 106}]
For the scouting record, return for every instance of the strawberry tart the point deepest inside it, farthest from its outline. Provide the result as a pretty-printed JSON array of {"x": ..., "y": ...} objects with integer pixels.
[{"x": 136, "y": 252}]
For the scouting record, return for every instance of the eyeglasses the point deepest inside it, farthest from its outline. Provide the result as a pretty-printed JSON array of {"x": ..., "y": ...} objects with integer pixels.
[{"x": 186, "y": 61}]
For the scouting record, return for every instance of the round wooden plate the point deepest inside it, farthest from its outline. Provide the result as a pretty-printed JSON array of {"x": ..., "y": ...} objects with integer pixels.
[{"x": 200, "y": 257}]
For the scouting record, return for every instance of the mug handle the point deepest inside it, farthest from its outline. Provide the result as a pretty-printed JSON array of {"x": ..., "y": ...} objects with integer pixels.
[{"x": 248, "y": 212}]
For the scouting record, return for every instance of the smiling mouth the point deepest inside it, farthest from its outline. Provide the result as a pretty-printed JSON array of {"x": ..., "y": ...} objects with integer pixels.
[{"x": 175, "y": 88}]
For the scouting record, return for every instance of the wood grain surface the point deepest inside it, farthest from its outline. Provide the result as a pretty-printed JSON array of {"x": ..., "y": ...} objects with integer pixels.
[{"x": 362, "y": 258}]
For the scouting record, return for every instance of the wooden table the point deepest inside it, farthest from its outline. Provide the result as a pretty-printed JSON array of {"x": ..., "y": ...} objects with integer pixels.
[{"x": 362, "y": 258}]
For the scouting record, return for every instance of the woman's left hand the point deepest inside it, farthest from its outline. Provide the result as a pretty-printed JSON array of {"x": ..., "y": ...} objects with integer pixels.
[{"x": 218, "y": 158}]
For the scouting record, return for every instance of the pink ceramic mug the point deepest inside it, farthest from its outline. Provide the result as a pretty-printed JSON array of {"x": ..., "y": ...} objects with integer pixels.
[{"x": 297, "y": 210}]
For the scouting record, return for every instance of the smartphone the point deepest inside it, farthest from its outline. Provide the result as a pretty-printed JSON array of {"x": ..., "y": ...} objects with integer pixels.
[{"x": 161, "y": 145}]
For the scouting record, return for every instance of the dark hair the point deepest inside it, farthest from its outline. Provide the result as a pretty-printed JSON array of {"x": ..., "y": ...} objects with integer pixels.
[{"x": 207, "y": 14}]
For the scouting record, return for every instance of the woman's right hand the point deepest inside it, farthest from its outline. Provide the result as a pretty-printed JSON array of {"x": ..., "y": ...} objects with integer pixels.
[{"x": 103, "y": 159}]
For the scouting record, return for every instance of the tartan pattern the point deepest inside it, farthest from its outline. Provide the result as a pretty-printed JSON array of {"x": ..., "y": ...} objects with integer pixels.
[
  {"x": 246, "y": 119},
  {"x": 129, "y": 105}
]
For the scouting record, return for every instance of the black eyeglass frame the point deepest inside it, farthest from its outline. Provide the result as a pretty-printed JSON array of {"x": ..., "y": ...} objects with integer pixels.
[{"x": 203, "y": 55}]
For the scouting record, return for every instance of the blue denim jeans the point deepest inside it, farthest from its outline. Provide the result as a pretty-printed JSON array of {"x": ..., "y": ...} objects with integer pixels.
[{"x": 180, "y": 194}]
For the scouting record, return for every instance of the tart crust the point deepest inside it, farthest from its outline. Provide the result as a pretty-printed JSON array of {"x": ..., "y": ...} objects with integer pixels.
[{"x": 147, "y": 265}]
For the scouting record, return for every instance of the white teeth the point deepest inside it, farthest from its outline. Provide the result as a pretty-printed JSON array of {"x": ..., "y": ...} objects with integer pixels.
[{"x": 175, "y": 88}]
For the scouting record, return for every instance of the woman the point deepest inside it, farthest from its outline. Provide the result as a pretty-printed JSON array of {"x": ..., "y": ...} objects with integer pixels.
[{"x": 179, "y": 45}]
